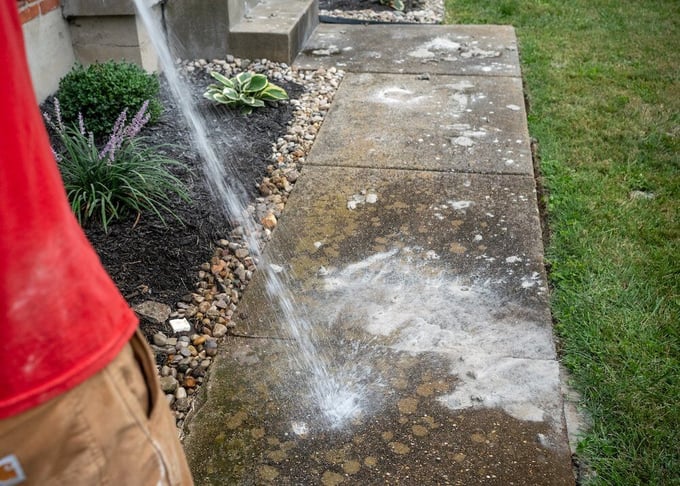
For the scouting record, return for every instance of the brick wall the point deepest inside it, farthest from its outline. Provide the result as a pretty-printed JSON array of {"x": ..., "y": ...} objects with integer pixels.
[{"x": 30, "y": 9}]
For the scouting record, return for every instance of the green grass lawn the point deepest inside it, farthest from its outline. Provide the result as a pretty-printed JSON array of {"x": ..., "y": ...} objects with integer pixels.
[{"x": 602, "y": 79}]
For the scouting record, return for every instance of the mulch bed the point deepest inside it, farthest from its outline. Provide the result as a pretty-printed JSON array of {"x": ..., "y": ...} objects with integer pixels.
[{"x": 152, "y": 260}]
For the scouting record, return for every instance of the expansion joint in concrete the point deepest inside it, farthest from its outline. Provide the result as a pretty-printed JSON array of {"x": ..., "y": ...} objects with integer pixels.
[
  {"x": 425, "y": 169},
  {"x": 256, "y": 336}
]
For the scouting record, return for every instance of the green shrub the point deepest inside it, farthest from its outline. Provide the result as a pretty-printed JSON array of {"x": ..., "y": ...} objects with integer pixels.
[
  {"x": 245, "y": 90},
  {"x": 126, "y": 176},
  {"x": 102, "y": 91}
]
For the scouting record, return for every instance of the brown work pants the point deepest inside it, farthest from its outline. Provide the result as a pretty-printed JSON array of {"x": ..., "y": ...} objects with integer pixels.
[{"x": 113, "y": 429}]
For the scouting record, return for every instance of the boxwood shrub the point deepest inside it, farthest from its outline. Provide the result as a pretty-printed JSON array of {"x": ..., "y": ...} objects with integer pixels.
[{"x": 101, "y": 91}]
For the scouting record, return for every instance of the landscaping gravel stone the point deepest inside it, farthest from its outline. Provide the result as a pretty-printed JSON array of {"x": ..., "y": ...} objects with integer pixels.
[{"x": 156, "y": 312}]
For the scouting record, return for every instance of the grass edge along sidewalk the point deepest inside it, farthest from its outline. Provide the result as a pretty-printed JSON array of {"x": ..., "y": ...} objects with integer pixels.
[{"x": 603, "y": 88}]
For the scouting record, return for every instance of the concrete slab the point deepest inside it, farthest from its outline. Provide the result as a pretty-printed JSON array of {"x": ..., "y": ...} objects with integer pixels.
[
  {"x": 489, "y": 50},
  {"x": 447, "y": 123},
  {"x": 425, "y": 296}
]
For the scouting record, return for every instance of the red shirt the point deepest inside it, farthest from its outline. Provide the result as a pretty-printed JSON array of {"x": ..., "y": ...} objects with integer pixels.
[{"x": 62, "y": 319}]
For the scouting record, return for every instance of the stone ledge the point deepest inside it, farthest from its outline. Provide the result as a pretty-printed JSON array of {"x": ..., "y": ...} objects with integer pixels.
[{"x": 274, "y": 29}]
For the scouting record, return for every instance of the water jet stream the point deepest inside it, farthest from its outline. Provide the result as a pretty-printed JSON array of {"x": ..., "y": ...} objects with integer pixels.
[{"x": 336, "y": 401}]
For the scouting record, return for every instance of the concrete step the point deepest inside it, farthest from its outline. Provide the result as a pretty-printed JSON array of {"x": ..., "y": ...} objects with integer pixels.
[{"x": 274, "y": 29}]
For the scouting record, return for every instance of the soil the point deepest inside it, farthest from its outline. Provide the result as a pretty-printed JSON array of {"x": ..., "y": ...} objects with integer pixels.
[
  {"x": 152, "y": 260},
  {"x": 352, "y": 5}
]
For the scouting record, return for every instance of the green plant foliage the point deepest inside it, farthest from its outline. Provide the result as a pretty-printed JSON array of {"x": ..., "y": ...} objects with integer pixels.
[
  {"x": 126, "y": 176},
  {"x": 245, "y": 90},
  {"x": 395, "y": 4},
  {"x": 101, "y": 91}
]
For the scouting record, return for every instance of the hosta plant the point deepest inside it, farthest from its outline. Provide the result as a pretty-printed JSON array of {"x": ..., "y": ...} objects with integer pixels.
[
  {"x": 126, "y": 176},
  {"x": 395, "y": 4},
  {"x": 245, "y": 90}
]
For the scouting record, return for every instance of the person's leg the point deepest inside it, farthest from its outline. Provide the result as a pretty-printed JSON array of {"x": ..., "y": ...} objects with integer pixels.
[{"x": 115, "y": 428}]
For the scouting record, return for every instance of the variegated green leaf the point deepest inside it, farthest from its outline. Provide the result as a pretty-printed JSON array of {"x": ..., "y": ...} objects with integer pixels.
[
  {"x": 240, "y": 80},
  {"x": 230, "y": 93},
  {"x": 220, "y": 98},
  {"x": 257, "y": 83},
  {"x": 273, "y": 93},
  {"x": 251, "y": 101},
  {"x": 222, "y": 79}
]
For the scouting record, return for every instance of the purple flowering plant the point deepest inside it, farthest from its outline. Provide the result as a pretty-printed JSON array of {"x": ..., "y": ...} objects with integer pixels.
[{"x": 126, "y": 176}]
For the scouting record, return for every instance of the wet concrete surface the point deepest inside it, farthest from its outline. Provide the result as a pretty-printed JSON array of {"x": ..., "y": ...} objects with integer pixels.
[
  {"x": 423, "y": 291},
  {"x": 260, "y": 430}
]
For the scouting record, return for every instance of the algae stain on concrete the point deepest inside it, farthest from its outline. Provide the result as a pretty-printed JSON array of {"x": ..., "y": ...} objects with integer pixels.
[{"x": 336, "y": 224}]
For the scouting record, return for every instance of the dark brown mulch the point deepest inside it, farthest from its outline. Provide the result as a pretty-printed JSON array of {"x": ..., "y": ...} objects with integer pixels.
[
  {"x": 362, "y": 5},
  {"x": 151, "y": 260},
  {"x": 352, "y": 5}
]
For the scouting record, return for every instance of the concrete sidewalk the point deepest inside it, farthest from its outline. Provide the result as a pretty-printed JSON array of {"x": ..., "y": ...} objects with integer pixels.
[{"x": 413, "y": 245}]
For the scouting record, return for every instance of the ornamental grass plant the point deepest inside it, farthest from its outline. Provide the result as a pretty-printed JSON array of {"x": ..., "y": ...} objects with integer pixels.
[{"x": 126, "y": 176}]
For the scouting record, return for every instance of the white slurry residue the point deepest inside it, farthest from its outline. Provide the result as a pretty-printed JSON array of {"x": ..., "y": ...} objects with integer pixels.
[
  {"x": 443, "y": 44},
  {"x": 476, "y": 52},
  {"x": 513, "y": 107},
  {"x": 460, "y": 85},
  {"x": 461, "y": 99},
  {"x": 431, "y": 255},
  {"x": 430, "y": 49},
  {"x": 300, "y": 428},
  {"x": 513, "y": 259},
  {"x": 460, "y": 205},
  {"x": 463, "y": 141},
  {"x": 421, "y": 53},
  {"x": 365, "y": 197},
  {"x": 466, "y": 135},
  {"x": 526, "y": 389},
  {"x": 531, "y": 280},
  {"x": 500, "y": 352},
  {"x": 448, "y": 50},
  {"x": 398, "y": 96}
]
